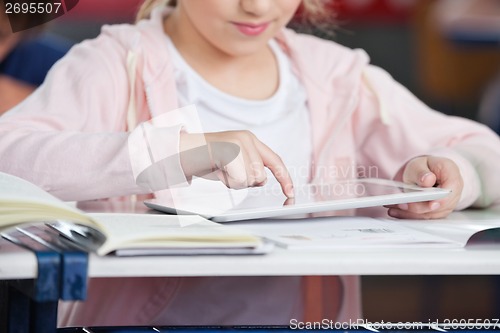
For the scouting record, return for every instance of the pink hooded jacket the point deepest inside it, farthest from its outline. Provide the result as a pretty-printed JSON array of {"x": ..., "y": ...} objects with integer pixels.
[{"x": 71, "y": 138}]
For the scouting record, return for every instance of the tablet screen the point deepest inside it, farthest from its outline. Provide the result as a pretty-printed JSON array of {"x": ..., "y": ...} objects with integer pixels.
[{"x": 233, "y": 205}]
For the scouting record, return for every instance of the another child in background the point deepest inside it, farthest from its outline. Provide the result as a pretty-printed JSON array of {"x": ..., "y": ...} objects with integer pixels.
[
  {"x": 25, "y": 59},
  {"x": 289, "y": 101}
]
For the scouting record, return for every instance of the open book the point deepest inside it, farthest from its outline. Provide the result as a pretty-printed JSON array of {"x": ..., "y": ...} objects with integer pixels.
[
  {"x": 23, "y": 204},
  {"x": 350, "y": 232}
]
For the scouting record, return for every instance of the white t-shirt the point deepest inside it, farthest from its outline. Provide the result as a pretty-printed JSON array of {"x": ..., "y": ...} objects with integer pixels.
[{"x": 281, "y": 121}]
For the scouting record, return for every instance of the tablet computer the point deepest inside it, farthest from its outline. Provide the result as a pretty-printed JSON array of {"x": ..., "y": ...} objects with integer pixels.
[{"x": 311, "y": 198}]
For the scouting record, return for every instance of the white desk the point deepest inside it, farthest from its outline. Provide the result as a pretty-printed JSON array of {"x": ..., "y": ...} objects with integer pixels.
[{"x": 475, "y": 259}]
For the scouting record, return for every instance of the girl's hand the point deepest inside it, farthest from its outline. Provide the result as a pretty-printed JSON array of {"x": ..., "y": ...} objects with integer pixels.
[
  {"x": 237, "y": 158},
  {"x": 429, "y": 171}
]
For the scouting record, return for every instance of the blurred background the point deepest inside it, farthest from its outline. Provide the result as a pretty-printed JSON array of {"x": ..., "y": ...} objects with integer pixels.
[{"x": 447, "y": 52}]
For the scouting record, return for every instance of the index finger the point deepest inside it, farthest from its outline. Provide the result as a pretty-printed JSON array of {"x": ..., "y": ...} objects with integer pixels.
[{"x": 274, "y": 163}]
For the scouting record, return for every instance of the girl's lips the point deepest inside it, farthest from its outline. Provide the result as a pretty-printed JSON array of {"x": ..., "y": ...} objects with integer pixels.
[{"x": 251, "y": 29}]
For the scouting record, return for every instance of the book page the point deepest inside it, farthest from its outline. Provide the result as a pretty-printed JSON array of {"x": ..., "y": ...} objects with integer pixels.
[
  {"x": 178, "y": 231},
  {"x": 458, "y": 230},
  {"x": 15, "y": 189},
  {"x": 23, "y": 202},
  {"x": 343, "y": 232}
]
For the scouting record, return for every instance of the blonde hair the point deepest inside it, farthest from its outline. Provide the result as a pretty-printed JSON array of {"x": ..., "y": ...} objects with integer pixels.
[
  {"x": 312, "y": 14},
  {"x": 148, "y": 5},
  {"x": 315, "y": 16}
]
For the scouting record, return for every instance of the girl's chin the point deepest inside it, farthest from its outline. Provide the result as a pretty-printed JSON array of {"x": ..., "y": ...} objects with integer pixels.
[{"x": 246, "y": 48}]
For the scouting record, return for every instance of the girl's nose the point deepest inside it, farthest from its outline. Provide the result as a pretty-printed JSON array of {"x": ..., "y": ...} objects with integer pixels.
[{"x": 256, "y": 7}]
